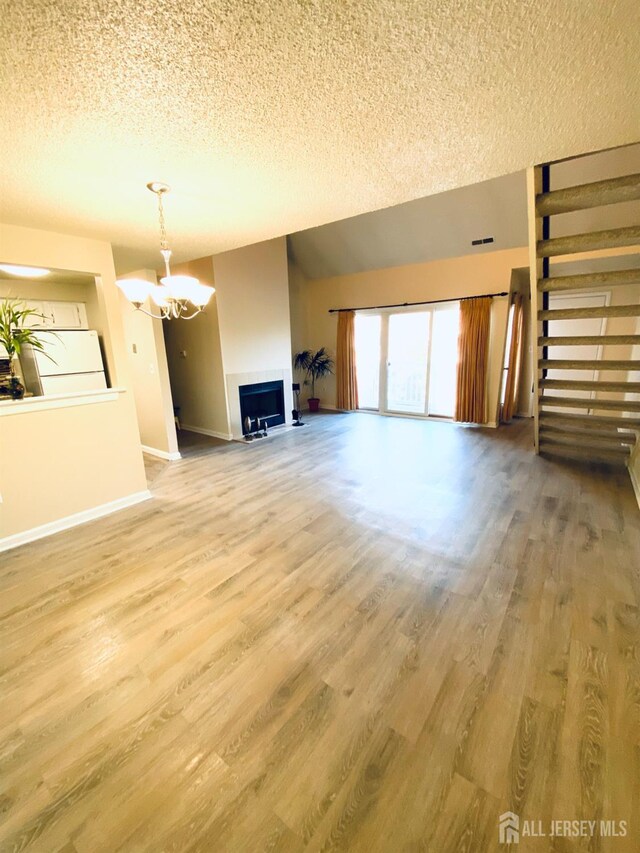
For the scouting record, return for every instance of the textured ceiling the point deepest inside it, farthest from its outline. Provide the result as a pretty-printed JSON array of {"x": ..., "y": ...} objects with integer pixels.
[
  {"x": 271, "y": 117},
  {"x": 443, "y": 225}
]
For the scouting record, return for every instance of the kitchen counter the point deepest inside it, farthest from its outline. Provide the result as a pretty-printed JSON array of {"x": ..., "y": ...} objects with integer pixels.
[{"x": 58, "y": 401}]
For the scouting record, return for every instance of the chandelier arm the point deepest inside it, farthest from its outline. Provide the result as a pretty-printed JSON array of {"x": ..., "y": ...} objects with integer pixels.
[
  {"x": 149, "y": 314},
  {"x": 191, "y": 316}
]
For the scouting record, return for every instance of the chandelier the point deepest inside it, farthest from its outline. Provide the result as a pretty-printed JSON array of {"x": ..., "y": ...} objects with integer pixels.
[{"x": 177, "y": 296}]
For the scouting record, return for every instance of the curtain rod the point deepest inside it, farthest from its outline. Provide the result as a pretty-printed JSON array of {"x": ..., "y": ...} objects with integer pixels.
[{"x": 427, "y": 302}]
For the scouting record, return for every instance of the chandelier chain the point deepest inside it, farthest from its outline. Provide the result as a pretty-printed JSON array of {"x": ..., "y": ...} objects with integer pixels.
[{"x": 164, "y": 244}]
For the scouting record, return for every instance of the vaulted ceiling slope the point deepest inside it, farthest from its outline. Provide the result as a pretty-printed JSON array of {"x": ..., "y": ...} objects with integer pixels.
[
  {"x": 445, "y": 225},
  {"x": 427, "y": 229},
  {"x": 268, "y": 118}
]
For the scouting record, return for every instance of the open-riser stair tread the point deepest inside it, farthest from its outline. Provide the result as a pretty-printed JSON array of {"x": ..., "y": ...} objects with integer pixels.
[
  {"x": 588, "y": 340},
  {"x": 595, "y": 312},
  {"x": 590, "y": 385},
  {"x": 592, "y": 443},
  {"x": 576, "y": 434},
  {"x": 587, "y": 364},
  {"x": 585, "y": 454},
  {"x": 586, "y": 196},
  {"x": 611, "y": 238},
  {"x": 614, "y": 278},
  {"x": 597, "y": 421},
  {"x": 580, "y": 403}
]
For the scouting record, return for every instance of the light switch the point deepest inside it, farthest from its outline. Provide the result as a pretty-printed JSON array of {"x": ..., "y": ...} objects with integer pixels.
[
  {"x": 134, "y": 347},
  {"x": 183, "y": 353}
]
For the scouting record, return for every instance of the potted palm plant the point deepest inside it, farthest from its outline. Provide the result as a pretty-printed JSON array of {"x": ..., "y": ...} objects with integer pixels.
[
  {"x": 315, "y": 366},
  {"x": 14, "y": 335}
]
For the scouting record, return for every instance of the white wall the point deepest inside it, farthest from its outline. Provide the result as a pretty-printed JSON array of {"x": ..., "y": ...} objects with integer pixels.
[
  {"x": 252, "y": 289},
  {"x": 56, "y": 291},
  {"x": 97, "y": 458},
  {"x": 149, "y": 374}
]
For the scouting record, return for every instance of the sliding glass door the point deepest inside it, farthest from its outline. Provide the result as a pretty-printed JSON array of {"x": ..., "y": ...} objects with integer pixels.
[
  {"x": 407, "y": 358},
  {"x": 406, "y": 361}
]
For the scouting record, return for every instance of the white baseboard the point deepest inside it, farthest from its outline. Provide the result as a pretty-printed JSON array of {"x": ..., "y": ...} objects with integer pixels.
[
  {"x": 72, "y": 520},
  {"x": 161, "y": 454},
  {"x": 225, "y": 436}
]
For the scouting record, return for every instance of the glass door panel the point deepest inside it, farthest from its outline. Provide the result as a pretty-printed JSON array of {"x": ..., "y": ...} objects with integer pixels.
[
  {"x": 367, "y": 334},
  {"x": 444, "y": 360},
  {"x": 407, "y": 359}
]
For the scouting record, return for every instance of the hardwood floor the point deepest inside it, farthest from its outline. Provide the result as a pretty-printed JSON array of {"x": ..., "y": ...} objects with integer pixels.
[{"x": 370, "y": 634}]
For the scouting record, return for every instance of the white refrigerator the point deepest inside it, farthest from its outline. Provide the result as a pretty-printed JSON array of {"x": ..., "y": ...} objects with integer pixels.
[{"x": 74, "y": 363}]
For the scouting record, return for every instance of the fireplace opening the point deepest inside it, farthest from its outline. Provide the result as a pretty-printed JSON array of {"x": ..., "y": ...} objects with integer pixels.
[{"x": 262, "y": 401}]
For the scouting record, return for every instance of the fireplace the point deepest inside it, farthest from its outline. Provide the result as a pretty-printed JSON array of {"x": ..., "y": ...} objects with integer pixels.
[{"x": 262, "y": 401}]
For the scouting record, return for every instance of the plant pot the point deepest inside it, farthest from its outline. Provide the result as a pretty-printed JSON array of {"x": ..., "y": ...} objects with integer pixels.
[
  {"x": 16, "y": 388},
  {"x": 314, "y": 404}
]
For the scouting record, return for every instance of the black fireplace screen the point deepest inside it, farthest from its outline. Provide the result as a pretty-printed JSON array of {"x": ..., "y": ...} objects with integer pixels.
[{"x": 262, "y": 401}]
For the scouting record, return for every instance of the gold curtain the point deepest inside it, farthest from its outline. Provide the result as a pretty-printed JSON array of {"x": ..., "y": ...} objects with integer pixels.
[
  {"x": 473, "y": 360},
  {"x": 346, "y": 382},
  {"x": 515, "y": 360}
]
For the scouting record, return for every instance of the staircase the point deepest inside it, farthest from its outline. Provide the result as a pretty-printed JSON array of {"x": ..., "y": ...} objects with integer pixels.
[{"x": 603, "y": 429}]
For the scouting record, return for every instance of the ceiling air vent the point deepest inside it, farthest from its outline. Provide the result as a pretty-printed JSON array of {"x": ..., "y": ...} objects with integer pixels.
[{"x": 481, "y": 241}]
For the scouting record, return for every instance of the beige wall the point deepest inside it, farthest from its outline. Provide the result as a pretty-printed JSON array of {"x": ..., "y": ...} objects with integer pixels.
[
  {"x": 253, "y": 303},
  {"x": 244, "y": 330},
  {"x": 443, "y": 279},
  {"x": 149, "y": 373},
  {"x": 197, "y": 381},
  {"x": 252, "y": 289},
  {"x": 524, "y": 403},
  {"x": 58, "y": 462},
  {"x": 297, "y": 308}
]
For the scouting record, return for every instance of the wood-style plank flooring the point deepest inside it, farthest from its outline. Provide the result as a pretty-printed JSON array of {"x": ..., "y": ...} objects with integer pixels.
[{"x": 369, "y": 634}]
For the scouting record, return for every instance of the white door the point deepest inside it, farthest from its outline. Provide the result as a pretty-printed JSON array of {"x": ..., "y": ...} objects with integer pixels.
[
  {"x": 73, "y": 382},
  {"x": 583, "y": 326},
  {"x": 70, "y": 352}
]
